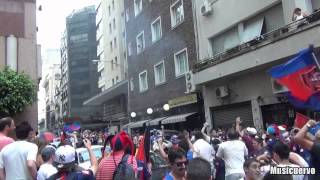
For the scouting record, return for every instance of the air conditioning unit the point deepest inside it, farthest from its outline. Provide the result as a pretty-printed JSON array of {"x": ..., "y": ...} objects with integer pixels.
[
  {"x": 206, "y": 9},
  {"x": 278, "y": 88},
  {"x": 190, "y": 85},
  {"x": 222, "y": 91}
]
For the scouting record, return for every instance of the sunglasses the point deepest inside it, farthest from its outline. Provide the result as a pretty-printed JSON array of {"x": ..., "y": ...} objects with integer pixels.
[{"x": 179, "y": 164}]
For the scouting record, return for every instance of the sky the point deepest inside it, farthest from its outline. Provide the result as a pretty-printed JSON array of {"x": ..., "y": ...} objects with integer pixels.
[
  {"x": 51, "y": 25},
  {"x": 51, "y": 20}
]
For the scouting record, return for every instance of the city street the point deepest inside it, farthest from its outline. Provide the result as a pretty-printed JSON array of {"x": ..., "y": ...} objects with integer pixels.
[{"x": 160, "y": 90}]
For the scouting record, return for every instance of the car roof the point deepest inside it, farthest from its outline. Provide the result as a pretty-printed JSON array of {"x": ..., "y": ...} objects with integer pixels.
[{"x": 85, "y": 149}]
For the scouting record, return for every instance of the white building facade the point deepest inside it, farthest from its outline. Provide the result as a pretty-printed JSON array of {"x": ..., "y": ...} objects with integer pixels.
[
  {"x": 237, "y": 42},
  {"x": 111, "y": 49}
]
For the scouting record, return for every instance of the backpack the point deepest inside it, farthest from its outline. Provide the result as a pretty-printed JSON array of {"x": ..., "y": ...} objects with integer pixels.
[{"x": 124, "y": 171}]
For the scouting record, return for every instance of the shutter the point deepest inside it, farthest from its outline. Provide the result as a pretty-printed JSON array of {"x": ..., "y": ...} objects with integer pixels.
[{"x": 226, "y": 116}]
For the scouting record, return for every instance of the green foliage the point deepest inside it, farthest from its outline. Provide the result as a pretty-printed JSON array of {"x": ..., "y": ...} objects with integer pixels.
[{"x": 17, "y": 91}]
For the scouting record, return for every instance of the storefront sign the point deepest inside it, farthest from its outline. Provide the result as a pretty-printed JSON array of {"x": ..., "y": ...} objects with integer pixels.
[{"x": 184, "y": 100}]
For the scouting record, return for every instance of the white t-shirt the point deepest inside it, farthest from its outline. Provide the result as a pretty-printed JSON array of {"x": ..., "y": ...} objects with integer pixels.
[
  {"x": 233, "y": 153},
  {"x": 13, "y": 158},
  {"x": 45, "y": 171},
  {"x": 204, "y": 150}
]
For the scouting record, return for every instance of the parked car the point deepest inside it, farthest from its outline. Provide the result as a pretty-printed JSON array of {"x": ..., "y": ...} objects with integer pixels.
[{"x": 84, "y": 158}]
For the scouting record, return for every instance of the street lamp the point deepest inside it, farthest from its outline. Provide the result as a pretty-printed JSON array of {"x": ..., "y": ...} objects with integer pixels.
[
  {"x": 149, "y": 111},
  {"x": 166, "y": 107},
  {"x": 133, "y": 114}
]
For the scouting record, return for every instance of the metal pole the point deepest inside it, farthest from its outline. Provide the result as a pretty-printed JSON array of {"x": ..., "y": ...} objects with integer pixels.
[
  {"x": 314, "y": 57},
  {"x": 316, "y": 60}
]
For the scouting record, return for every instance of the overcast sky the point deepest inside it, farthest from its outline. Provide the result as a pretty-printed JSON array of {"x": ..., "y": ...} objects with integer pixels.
[
  {"x": 51, "y": 20},
  {"x": 51, "y": 24}
]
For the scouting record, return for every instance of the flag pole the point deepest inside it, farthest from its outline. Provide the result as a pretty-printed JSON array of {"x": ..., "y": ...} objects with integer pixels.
[{"x": 314, "y": 56}]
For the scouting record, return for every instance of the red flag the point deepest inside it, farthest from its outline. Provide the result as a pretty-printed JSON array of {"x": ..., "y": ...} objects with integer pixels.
[
  {"x": 141, "y": 151},
  {"x": 300, "y": 120}
]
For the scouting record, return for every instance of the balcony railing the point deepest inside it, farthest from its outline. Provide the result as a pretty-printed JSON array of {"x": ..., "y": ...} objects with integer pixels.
[{"x": 265, "y": 39}]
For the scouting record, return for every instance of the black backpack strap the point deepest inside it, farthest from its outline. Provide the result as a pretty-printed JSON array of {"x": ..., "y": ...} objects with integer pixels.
[{"x": 124, "y": 159}]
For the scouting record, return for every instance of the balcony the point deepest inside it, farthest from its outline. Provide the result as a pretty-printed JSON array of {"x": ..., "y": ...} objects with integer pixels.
[{"x": 267, "y": 48}]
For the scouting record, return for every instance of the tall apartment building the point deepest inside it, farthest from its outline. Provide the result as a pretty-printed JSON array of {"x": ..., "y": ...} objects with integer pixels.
[
  {"x": 18, "y": 46},
  {"x": 79, "y": 74},
  {"x": 111, "y": 49},
  {"x": 112, "y": 64},
  {"x": 51, "y": 84},
  {"x": 160, "y": 51},
  {"x": 237, "y": 42}
]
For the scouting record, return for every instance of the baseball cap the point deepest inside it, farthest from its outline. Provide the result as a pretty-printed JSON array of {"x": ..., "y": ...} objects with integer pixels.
[
  {"x": 47, "y": 152},
  {"x": 252, "y": 131},
  {"x": 174, "y": 139},
  {"x": 65, "y": 155}
]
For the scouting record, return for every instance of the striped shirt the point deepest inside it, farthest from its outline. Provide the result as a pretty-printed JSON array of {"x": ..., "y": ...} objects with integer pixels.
[{"x": 107, "y": 165}]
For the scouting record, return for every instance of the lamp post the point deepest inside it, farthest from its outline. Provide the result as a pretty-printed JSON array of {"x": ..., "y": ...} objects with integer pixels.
[
  {"x": 166, "y": 107},
  {"x": 149, "y": 111},
  {"x": 133, "y": 114}
]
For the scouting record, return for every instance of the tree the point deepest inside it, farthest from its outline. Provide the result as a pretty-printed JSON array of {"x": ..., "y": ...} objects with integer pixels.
[{"x": 17, "y": 91}]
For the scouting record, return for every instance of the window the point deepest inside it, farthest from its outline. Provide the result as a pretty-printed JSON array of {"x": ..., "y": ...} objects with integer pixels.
[
  {"x": 143, "y": 81},
  {"x": 252, "y": 30},
  {"x": 140, "y": 42},
  {"x": 177, "y": 14},
  {"x": 113, "y": 5},
  {"x": 115, "y": 42},
  {"x": 181, "y": 62},
  {"x": 79, "y": 38},
  {"x": 109, "y": 9},
  {"x": 111, "y": 48},
  {"x": 156, "y": 30},
  {"x": 114, "y": 23},
  {"x": 159, "y": 73},
  {"x": 137, "y": 7},
  {"x": 226, "y": 40},
  {"x": 127, "y": 15},
  {"x": 131, "y": 84},
  {"x": 112, "y": 65},
  {"x": 129, "y": 49},
  {"x": 110, "y": 28},
  {"x": 116, "y": 61},
  {"x": 117, "y": 79}
]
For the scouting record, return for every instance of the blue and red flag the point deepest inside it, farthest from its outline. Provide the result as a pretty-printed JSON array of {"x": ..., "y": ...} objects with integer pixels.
[{"x": 301, "y": 76}]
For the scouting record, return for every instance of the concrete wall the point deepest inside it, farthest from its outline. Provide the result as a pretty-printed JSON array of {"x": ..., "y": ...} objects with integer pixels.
[
  {"x": 244, "y": 88},
  {"x": 222, "y": 20},
  {"x": 262, "y": 56},
  {"x": 225, "y": 15},
  {"x": 19, "y": 18},
  {"x": 315, "y": 4},
  {"x": 2, "y": 52}
]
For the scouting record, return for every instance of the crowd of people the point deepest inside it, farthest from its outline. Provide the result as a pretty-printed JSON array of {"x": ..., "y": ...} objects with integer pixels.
[{"x": 233, "y": 154}]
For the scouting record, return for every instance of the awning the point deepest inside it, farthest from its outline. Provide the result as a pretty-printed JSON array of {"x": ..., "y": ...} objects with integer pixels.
[
  {"x": 119, "y": 89},
  {"x": 177, "y": 118},
  {"x": 138, "y": 124},
  {"x": 156, "y": 121},
  {"x": 127, "y": 125}
]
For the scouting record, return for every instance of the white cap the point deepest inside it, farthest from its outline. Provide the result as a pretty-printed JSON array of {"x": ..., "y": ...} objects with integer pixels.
[
  {"x": 64, "y": 155},
  {"x": 251, "y": 130}
]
